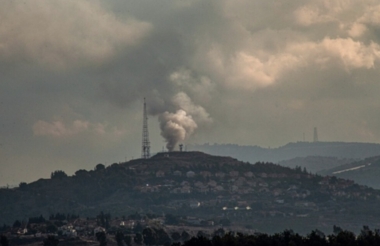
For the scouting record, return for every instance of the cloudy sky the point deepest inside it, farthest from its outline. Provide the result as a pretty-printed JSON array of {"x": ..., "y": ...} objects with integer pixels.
[{"x": 74, "y": 75}]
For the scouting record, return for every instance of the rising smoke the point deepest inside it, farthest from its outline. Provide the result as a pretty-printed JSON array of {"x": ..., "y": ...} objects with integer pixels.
[{"x": 177, "y": 127}]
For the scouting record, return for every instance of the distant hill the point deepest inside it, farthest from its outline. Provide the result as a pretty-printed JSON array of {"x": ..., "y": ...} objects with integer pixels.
[
  {"x": 291, "y": 150},
  {"x": 316, "y": 164},
  {"x": 364, "y": 172},
  {"x": 263, "y": 196}
]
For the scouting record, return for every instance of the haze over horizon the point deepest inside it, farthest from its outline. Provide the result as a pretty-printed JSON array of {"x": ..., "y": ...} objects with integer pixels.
[{"x": 74, "y": 75}]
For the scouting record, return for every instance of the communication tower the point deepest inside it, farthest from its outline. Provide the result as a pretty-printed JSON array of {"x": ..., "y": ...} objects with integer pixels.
[
  {"x": 315, "y": 139},
  {"x": 145, "y": 150}
]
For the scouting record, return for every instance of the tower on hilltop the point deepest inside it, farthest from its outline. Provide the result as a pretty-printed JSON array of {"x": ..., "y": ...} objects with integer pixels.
[
  {"x": 315, "y": 139},
  {"x": 145, "y": 150}
]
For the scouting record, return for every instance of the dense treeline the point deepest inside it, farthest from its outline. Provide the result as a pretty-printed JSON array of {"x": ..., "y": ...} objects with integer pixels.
[
  {"x": 287, "y": 238},
  {"x": 158, "y": 236},
  {"x": 155, "y": 236}
]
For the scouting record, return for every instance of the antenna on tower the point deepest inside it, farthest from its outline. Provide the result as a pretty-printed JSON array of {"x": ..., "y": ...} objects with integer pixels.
[
  {"x": 145, "y": 151},
  {"x": 315, "y": 139}
]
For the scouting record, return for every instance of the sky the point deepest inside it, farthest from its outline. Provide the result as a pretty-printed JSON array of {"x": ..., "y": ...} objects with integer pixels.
[{"x": 74, "y": 75}]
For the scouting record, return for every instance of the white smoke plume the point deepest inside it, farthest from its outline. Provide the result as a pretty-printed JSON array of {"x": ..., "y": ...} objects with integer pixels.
[
  {"x": 178, "y": 126},
  {"x": 183, "y": 101}
]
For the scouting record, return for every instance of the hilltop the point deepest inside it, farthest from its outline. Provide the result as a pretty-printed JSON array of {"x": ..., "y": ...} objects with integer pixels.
[{"x": 263, "y": 196}]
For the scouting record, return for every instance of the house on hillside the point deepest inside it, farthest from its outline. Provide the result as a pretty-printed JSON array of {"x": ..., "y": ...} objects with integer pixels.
[
  {"x": 194, "y": 204},
  {"x": 252, "y": 183},
  {"x": 177, "y": 173},
  {"x": 240, "y": 181},
  {"x": 273, "y": 175},
  {"x": 218, "y": 188},
  {"x": 206, "y": 174},
  {"x": 220, "y": 175},
  {"x": 212, "y": 183},
  {"x": 176, "y": 191},
  {"x": 277, "y": 192},
  {"x": 249, "y": 174},
  {"x": 99, "y": 229},
  {"x": 234, "y": 188},
  {"x": 68, "y": 231},
  {"x": 160, "y": 174},
  {"x": 263, "y": 175},
  {"x": 186, "y": 189},
  {"x": 234, "y": 174},
  {"x": 198, "y": 184},
  {"x": 190, "y": 174}
]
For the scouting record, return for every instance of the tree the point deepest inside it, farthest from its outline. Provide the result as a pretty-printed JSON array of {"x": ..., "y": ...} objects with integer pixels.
[
  {"x": 185, "y": 236},
  {"x": 162, "y": 237},
  {"x": 337, "y": 230},
  {"x": 171, "y": 219},
  {"x": 176, "y": 236},
  {"x": 128, "y": 240},
  {"x": 114, "y": 167},
  {"x": 345, "y": 238},
  {"x": 119, "y": 238},
  {"x": 102, "y": 238},
  {"x": 316, "y": 238},
  {"x": 51, "y": 228},
  {"x": 225, "y": 222},
  {"x": 108, "y": 219},
  {"x": 200, "y": 241},
  {"x": 4, "y": 228},
  {"x": 138, "y": 228},
  {"x": 138, "y": 238},
  {"x": 57, "y": 216},
  {"x": 368, "y": 237},
  {"x": 103, "y": 219},
  {"x": 51, "y": 241},
  {"x": 80, "y": 173},
  {"x": 16, "y": 224},
  {"x": 100, "y": 167},
  {"x": 149, "y": 236},
  {"x": 202, "y": 234},
  {"x": 220, "y": 232},
  {"x": 37, "y": 220},
  {"x": 22, "y": 185},
  {"x": 4, "y": 241},
  {"x": 135, "y": 216},
  {"x": 365, "y": 231},
  {"x": 59, "y": 174}
]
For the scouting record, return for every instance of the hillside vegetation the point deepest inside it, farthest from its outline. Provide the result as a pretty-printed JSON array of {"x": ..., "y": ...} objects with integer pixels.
[{"x": 263, "y": 196}]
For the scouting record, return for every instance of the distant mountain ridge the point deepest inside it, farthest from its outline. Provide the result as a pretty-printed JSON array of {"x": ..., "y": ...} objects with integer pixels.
[{"x": 291, "y": 150}]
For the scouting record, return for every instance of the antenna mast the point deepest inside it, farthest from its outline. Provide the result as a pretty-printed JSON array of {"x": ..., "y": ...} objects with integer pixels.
[
  {"x": 315, "y": 139},
  {"x": 145, "y": 151}
]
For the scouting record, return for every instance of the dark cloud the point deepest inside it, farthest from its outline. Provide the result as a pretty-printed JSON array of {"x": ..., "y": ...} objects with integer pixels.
[{"x": 245, "y": 72}]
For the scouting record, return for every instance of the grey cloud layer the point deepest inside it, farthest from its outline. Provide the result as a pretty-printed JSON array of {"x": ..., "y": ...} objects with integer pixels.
[
  {"x": 248, "y": 72},
  {"x": 63, "y": 34}
]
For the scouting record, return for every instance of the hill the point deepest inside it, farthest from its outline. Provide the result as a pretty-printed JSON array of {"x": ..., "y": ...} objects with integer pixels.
[
  {"x": 291, "y": 150},
  {"x": 364, "y": 172},
  {"x": 316, "y": 164},
  {"x": 263, "y": 196}
]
